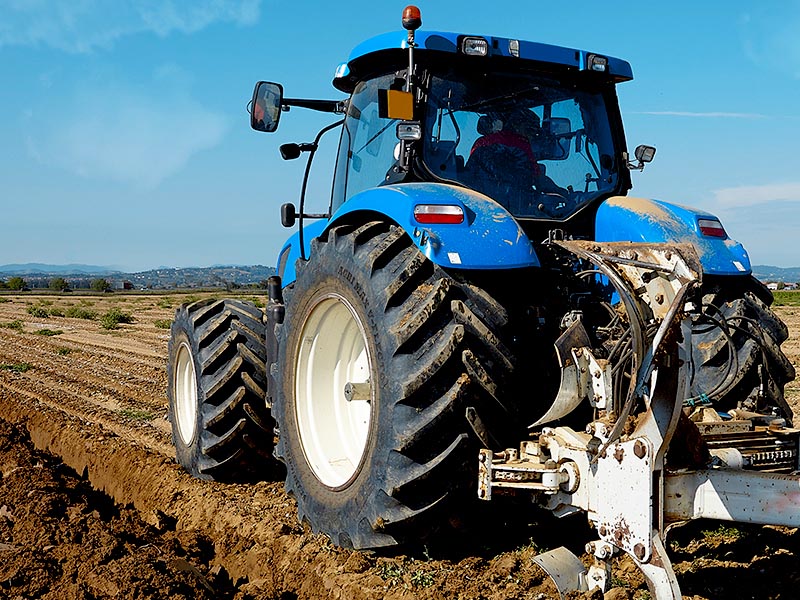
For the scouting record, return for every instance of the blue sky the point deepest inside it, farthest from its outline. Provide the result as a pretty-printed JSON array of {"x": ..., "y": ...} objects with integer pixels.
[{"x": 125, "y": 139}]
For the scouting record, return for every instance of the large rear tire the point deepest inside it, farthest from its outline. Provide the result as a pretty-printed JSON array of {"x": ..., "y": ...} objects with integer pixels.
[
  {"x": 382, "y": 356},
  {"x": 736, "y": 350},
  {"x": 221, "y": 427}
]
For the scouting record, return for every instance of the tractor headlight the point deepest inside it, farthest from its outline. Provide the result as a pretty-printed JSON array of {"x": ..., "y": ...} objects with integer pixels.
[
  {"x": 595, "y": 62},
  {"x": 474, "y": 46}
]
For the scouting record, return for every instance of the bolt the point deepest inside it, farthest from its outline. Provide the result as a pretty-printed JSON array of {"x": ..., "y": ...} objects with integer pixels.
[
  {"x": 602, "y": 531},
  {"x": 639, "y": 551},
  {"x": 619, "y": 453},
  {"x": 590, "y": 548},
  {"x": 659, "y": 298},
  {"x": 639, "y": 449},
  {"x": 482, "y": 457}
]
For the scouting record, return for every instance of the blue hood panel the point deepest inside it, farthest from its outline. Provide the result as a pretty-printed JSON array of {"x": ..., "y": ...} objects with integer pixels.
[{"x": 622, "y": 218}]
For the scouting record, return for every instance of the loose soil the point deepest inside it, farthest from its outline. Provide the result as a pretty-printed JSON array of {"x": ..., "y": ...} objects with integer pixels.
[{"x": 93, "y": 506}]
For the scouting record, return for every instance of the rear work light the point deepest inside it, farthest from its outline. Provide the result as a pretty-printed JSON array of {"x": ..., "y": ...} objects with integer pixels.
[
  {"x": 474, "y": 46},
  {"x": 711, "y": 228},
  {"x": 438, "y": 213}
]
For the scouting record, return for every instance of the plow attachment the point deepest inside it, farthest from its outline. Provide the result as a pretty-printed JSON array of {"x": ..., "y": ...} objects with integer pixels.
[{"x": 617, "y": 468}]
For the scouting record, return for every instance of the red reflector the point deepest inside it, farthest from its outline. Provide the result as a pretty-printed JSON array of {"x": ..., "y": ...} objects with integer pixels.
[
  {"x": 438, "y": 213},
  {"x": 711, "y": 227}
]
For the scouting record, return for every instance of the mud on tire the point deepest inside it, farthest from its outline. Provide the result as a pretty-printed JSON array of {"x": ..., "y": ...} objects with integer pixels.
[
  {"x": 422, "y": 350},
  {"x": 736, "y": 350},
  {"x": 221, "y": 427}
]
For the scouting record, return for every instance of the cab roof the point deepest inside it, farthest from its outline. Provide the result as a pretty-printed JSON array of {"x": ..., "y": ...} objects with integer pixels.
[{"x": 363, "y": 57}]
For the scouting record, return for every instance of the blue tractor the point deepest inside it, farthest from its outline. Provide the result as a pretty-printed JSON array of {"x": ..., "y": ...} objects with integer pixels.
[{"x": 480, "y": 256}]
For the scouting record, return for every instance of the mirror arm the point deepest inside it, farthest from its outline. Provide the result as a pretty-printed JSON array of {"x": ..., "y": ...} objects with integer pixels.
[{"x": 329, "y": 106}]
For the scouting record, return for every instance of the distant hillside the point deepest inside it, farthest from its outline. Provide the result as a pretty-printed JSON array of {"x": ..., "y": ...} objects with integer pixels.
[
  {"x": 768, "y": 273},
  {"x": 79, "y": 276},
  {"x": 45, "y": 269}
]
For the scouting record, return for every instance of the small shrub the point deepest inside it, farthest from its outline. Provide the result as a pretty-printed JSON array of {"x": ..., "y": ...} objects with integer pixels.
[
  {"x": 2, "y": 300},
  {"x": 63, "y": 351},
  {"x": 56, "y": 311},
  {"x": 16, "y": 324},
  {"x": 135, "y": 414},
  {"x": 48, "y": 332},
  {"x": 422, "y": 579},
  {"x": 16, "y": 367},
  {"x": 79, "y": 312},
  {"x": 165, "y": 303},
  {"x": 163, "y": 323},
  {"x": 112, "y": 318},
  {"x": 391, "y": 573},
  {"x": 40, "y": 312}
]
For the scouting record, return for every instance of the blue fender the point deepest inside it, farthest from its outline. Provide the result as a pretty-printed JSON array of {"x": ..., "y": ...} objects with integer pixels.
[
  {"x": 488, "y": 238},
  {"x": 622, "y": 218}
]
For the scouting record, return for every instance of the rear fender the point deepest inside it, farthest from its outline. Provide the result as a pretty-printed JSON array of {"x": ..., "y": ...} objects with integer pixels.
[
  {"x": 488, "y": 238},
  {"x": 642, "y": 220}
]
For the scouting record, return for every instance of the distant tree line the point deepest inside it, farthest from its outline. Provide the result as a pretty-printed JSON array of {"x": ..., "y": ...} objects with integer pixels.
[{"x": 58, "y": 284}]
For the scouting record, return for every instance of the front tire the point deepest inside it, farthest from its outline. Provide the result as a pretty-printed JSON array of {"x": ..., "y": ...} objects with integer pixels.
[
  {"x": 221, "y": 427},
  {"x": 382, "y": 463}
]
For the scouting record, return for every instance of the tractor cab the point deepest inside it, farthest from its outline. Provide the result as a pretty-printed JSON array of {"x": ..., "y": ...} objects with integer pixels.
[{"x": 534, "y": 127}]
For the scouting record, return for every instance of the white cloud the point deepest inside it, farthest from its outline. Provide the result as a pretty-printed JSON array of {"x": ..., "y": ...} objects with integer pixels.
[
  {"x": 703, "y": 115},
  {"x": 757, "y": 194},
  {"x": 122, "y": 135},
  {"x": 83, "y": 25}
]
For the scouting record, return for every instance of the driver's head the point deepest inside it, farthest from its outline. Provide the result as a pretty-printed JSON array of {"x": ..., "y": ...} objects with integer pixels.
[{"x": 525, "y": 122}]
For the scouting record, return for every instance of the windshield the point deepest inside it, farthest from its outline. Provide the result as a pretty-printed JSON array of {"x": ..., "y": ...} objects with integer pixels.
[{"x": 540, "y": 148}]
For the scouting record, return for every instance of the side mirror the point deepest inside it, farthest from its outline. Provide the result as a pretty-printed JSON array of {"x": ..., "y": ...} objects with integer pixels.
[
  {"x": 288, "y": 215},
  {"x": 266, "y": 106},
  {"x": 644, "y": 154}
]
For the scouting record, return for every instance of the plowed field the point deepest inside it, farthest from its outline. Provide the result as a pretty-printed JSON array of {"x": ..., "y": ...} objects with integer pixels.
[{"x": 93, "y": 506}]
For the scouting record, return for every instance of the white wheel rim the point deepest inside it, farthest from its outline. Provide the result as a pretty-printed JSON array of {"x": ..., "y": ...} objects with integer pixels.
[
  {"x": 185, "y": 394},
  {"x": 333, "y": 352}
]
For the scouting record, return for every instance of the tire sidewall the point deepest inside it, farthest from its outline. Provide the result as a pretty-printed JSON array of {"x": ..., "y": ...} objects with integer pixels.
[{"x": 187, "y": 455}]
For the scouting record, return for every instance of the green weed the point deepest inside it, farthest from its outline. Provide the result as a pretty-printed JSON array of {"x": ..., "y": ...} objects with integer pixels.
[
  {"x": 48, "y": 332},
  {"x": 114, "y": 316},
  {"x": 391, "y": 573},
  {"x": 135, "y": 414},
  {"x": 80, "y": 312},
  {"x": 787, "y": 298},
  {"x": 15, "y": 324},
  {"x": 163, "y": 323},
  {"x": 63, "y": 351},
  {"x": 38, "y": 311},
  {"x": 15, "y": 368},
  {"x": 723, "y": 533},
  {"x": 422, "y": 579}
]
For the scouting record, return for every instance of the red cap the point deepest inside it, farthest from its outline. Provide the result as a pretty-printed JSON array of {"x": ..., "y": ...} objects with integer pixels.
[{"x": 412, "y": 19}]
